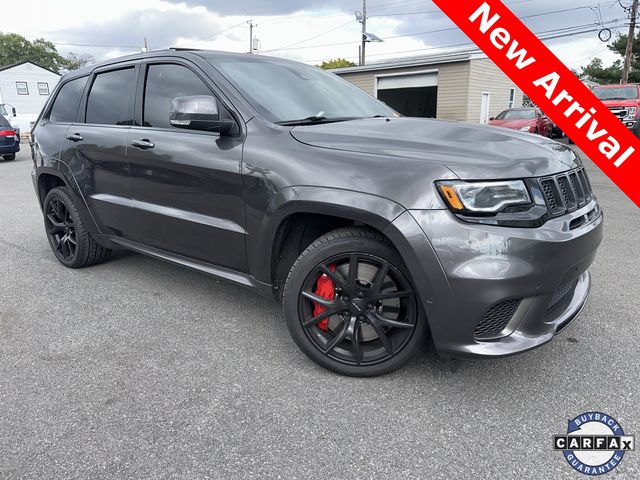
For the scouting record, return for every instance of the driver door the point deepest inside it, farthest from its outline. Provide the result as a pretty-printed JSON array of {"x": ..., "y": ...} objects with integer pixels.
[{"x": 186, "y": 184}]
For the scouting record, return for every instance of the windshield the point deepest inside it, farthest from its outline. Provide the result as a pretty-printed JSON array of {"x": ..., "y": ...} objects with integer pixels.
[
  {"x": 3, "y": 111},
  {"x": 517, "y": 115},
  {"x": 285, "y": 91},
  {"x": 616, "y": 93}
]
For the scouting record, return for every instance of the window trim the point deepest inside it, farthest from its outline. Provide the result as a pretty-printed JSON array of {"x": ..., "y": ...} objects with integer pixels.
[
  {"x": 46, "y": 85},
  {"x": 84, "y": 104},
  {"x": 26, "y": 87},
  {"x": 56, "y": 93},
  {"x": 215, "y": 92}
]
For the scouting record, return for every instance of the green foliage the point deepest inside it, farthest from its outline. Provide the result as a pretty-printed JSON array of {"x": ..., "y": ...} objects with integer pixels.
[
  {"x": 597, "y": 72},
  {"x": 336, "y": 63},
  {"x": 15, "y": 48}
]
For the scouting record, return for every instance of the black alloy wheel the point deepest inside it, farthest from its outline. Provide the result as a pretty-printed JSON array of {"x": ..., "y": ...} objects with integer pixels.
[
  {"x": 356, "y": 311},
  {"x": 68, "y": 236},
  {"x": 61, "y": 230}
]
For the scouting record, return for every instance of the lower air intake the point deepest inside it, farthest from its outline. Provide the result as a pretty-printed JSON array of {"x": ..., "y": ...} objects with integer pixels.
[{"x": 496, "y": 319}]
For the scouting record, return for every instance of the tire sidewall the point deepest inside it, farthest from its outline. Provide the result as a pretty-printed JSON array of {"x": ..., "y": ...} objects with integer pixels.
[
  {"x": 318, "y": 253},
  {"x": 62, "y": 195}
]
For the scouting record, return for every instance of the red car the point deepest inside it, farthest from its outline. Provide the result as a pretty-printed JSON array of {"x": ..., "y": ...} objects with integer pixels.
[
  {"x": 624, "y": 103},
  {"x": 530, "y": 120}
]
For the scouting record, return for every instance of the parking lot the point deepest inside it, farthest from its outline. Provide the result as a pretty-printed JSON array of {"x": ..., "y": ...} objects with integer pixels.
[{"x": 140, "y": 369}]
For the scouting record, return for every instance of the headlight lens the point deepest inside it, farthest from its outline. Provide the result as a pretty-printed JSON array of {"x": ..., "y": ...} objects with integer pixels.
[
  {"x": 631, "y": 113},
  {"x": 483, "y": 197},
  {"x": 525, "y": 129}
]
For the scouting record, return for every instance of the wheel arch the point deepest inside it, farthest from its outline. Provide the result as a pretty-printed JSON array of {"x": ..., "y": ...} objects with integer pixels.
[
  {"x": 299, "y": 215},
  {"x": 48, "y": 178}
]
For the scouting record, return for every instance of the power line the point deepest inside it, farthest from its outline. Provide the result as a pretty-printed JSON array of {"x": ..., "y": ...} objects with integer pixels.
[
  {"x": 552, "y": 35},
  {"x": 414, "y": 34},
  {"x": 286, "y": 47},
  {"x": 214, "y": 35}
]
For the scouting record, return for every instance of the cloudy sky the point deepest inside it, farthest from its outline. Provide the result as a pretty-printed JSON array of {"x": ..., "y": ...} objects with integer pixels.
[{"x": 306, "y": 30}]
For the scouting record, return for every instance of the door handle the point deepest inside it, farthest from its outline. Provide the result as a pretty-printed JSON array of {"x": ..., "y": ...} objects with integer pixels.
[
  {"x": 143, "y": 144},
  {"x": 75, "y": 137}
]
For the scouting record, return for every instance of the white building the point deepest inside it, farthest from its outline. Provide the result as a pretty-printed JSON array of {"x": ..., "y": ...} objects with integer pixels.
[{"x": 26, "y": 87}]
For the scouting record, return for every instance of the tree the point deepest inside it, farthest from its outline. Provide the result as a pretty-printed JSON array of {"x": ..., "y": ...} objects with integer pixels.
[
  {"x": 336, "y": 63},
  {"x": 74, "y": 61},
  {"x": 597, "y": 72},
  {"x": 15, "y": 48}
]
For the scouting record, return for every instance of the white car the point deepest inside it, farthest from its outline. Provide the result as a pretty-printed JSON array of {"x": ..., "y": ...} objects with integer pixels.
[{"x": 9, "y": 113}]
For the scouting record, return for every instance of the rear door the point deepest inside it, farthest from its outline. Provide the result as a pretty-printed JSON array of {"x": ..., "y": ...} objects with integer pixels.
[
  {"x": 186, "y": 185},
  {"x": 95, "y": 147},
  {"x": 49, "y": 133}
]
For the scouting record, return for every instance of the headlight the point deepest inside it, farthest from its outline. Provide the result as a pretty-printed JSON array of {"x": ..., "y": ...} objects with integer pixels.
[
  {"x": 631, "y": 113},
  {"x": 525, "y": 129},
  {"x": 483, "y": 197}
]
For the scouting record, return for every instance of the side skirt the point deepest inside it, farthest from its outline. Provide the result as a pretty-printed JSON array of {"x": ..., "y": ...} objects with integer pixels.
[{"x": 232, "y": 276}]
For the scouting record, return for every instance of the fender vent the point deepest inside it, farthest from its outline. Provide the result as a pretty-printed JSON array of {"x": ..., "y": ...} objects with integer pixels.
[{"x": 496, "y": 319}]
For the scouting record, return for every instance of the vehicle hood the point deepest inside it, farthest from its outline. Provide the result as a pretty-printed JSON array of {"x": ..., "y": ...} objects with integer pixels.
[
  {"x": 470, "y": 151},
  {"x": 621, "y": 103},
  {"x": 512, "y": 124}
]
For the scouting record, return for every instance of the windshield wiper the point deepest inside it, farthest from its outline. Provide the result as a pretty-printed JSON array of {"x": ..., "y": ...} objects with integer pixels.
[{"x": 314, "y": 120}]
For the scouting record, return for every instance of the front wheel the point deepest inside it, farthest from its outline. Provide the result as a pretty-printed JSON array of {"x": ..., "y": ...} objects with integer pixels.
[
  {"x": 350, "y": 306},
  {"x": 11, "y": 156}
]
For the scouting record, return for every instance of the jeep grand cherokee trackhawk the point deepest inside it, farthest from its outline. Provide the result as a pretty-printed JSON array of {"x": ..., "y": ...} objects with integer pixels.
[{"x": 371, "y": 229}]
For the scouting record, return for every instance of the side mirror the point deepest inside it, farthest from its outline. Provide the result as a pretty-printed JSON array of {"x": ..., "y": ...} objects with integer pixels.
[
  {"x": 198, "y": 113},
  {"x": 491, "y": 119},
  {"x": 13, "y": 111}
]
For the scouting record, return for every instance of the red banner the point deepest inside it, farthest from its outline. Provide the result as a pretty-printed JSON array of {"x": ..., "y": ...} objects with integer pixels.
[{"x": 552, "y": 86}]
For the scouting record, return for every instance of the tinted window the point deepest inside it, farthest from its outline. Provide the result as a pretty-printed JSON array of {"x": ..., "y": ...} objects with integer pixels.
[
  {"x": 4, "y": 125},
  {"x": 67, "y": 101},
  {"x": 111, "y": 99},
  {"x": 164, "y": 83}
]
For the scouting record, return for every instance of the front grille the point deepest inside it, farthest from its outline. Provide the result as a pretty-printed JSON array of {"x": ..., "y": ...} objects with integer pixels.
[
  {"x": 496, "y": 319},
  {"x": 619, "y": 112},
  {"x": 566, "y": 192}
]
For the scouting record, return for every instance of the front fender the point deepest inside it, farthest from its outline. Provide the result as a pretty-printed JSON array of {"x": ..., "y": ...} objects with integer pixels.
[{"x": 372, "y": 210}]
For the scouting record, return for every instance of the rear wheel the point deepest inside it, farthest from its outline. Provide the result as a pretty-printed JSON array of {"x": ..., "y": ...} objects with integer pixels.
[
  {"x": 350, "y": 306},
  {"x": 68, "y": 236},
  {"x": 11, "y": 156}
]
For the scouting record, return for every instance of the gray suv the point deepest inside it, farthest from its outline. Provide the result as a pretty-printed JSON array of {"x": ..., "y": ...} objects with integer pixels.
[{"x": 371, "y": 229}]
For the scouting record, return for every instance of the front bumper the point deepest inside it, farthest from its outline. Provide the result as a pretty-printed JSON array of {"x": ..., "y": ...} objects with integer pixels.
[{"x": 462, "y": 270}]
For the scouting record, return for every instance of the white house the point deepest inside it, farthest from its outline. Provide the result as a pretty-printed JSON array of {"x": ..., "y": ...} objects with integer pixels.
[{"x": 26, "y": 86}]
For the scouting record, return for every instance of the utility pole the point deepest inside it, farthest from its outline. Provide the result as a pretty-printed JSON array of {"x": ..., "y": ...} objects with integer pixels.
[
  {"x": 364, "y": 33},
  {"x": 628, "y": 56},
  {"x": 146, "y": 45},
  {"x": 251, "y": 25}
]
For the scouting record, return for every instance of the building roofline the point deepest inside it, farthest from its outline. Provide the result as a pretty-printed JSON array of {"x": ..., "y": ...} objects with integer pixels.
[
  {"x": 445, "y": 57},
  {"x": 8, "y": 67}
]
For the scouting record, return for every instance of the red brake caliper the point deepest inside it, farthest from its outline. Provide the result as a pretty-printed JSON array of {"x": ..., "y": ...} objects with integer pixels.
[{"x": 325, "y": 289}]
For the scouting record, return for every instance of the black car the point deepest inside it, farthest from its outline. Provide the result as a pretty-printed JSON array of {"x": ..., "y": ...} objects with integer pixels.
[
  {"x": 9, "y": 140},
  {"x": 371, "y": 229}
]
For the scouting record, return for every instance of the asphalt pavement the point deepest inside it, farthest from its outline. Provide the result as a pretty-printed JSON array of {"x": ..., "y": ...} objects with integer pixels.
[{"x": 141, "y": 369}]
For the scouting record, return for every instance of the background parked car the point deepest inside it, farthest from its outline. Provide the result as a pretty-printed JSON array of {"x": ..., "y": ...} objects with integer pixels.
[
  {"x": 530, "y": 120},
  {"x": 624, "y": 103},
  {"x": 9, "y": 140}
]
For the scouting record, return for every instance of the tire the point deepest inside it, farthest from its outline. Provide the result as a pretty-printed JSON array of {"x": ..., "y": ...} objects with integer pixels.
[
  {"x": 68, "y": 236},
  {"x": 359, "y": 334},
  {"x": 9, "y": 157}
]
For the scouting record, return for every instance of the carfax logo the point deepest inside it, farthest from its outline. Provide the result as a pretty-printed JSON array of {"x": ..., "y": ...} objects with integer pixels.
[{"x": 594, "y": 444}]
